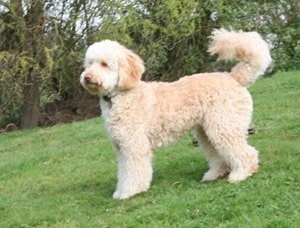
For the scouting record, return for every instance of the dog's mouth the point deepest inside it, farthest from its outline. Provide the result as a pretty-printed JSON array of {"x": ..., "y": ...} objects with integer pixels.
[
  {"x": 90, "y": 83},
  {"x": 88, "y": 80},
  {"x": 92, "y": 86}
]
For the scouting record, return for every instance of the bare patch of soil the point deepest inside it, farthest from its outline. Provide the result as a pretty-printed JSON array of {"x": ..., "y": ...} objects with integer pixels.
[{"x": 80, "y": 108}]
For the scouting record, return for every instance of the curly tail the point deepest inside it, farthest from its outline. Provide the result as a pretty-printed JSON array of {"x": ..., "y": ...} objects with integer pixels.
[{"x": 247, "y": 47}]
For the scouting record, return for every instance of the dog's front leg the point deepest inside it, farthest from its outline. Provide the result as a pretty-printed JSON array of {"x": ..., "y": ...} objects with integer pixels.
[{"x": 134, "y": 172}]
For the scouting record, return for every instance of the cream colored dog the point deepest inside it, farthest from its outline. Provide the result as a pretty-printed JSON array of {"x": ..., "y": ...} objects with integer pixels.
[{"x": 141, "y": 116}]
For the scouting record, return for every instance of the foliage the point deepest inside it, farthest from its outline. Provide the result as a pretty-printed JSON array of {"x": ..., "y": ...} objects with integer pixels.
[
  {"x": 13, "y": 71},
  {"x": 172, "y": 36},
  {"x": 11, "y": 96},
  {"x": 64, "y": 176},
  {"x": 167, "y": 34},
  {"x": 276, "y": 20}
]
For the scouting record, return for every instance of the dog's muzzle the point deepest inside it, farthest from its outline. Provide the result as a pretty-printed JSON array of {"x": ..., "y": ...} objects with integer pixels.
[{"x": 89, "y": 81}]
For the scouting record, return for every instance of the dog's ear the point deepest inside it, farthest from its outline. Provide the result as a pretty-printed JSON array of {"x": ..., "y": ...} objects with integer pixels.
[{"x": 131, "y": 69}]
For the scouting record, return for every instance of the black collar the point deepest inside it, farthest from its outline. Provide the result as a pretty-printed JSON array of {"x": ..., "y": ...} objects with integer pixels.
[{"x": 108, "y": 100}]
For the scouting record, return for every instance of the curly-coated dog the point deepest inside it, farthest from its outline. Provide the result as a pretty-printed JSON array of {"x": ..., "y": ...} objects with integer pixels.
[{"x": 141, "y": 116}]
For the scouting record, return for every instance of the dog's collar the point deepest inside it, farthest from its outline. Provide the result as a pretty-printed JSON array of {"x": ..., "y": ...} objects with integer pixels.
[{"x": 107, "y": 99}]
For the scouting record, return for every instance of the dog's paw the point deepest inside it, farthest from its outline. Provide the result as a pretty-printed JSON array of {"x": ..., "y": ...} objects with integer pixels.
[
  {"x": 237, "y": 177},
  {"x": 209, "y": 177},
  {"x": 213, "y": 174},
  {"x": 121, "y": 195},
  {"x": 240, "y": 175},
  {"x": 125, "y": 195}
]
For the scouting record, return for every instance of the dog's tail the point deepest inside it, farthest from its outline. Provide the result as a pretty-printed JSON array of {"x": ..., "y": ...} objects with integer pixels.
[{"x": 247, "y": 47}]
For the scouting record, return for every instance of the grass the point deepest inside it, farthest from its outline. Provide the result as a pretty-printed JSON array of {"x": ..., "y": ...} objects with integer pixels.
[{"x": 64, "y": 176}]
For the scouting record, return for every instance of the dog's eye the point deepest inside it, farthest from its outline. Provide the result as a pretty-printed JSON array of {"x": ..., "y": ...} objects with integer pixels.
[{"x": 104, "y": 64}]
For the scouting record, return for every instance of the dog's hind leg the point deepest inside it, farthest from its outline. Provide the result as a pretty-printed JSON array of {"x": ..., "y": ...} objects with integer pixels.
[
  {"x": 233, "y": 147},
  {"x": 217, "y": 165},
  {"x": 244, "y": 166},
  {"x": 134, "y": 170}
]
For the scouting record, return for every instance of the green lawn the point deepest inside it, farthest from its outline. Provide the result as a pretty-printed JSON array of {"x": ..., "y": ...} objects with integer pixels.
[{"x": 64, "y": 176}]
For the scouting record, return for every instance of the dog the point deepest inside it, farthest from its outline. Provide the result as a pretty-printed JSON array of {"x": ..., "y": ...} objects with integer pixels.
[{"x": 142, "y": 116}]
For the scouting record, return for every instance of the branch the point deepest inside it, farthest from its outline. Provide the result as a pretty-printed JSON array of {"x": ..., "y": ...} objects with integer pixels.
[{"x": 5, "y": 4}]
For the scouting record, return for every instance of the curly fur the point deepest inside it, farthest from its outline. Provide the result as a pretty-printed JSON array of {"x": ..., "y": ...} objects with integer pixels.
[{"x": 141, "y": 116}]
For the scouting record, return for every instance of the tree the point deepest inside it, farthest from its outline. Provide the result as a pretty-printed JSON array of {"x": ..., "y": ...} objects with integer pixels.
[
  {"x": 34, "y": 47},
  {"x": 170, "y": 35},
  {"x": 41, "y": 50},
  {"x": 24, "y": 37}
]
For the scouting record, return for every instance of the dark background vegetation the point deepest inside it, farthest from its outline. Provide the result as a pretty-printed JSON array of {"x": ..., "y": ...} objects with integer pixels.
[{"x": 42, "y": 45}]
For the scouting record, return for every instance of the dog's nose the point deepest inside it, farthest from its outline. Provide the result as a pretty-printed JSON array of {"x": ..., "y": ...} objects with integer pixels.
[{"x": 88, "y": 77}]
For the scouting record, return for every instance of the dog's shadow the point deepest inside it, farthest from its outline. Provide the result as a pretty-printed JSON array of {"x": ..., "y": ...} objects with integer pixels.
[
  {"x": 184, "y": 169},
  {"x": 165, "y": 173},
  {"x": 171, "y": 171},
  {"x": 100, "y": 187}
]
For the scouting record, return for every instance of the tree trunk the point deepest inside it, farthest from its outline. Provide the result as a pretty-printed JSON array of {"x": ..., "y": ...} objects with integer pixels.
[
  {"x": 31, "y": 106},
  {"x": 34, "y": 48}
]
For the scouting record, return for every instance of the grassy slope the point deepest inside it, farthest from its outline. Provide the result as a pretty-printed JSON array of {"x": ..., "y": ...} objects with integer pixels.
[{"x": 64, "y": 176}]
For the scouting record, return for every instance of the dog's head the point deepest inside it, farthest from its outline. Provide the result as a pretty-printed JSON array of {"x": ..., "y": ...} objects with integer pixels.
[{"x": 110, "y": 67}]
